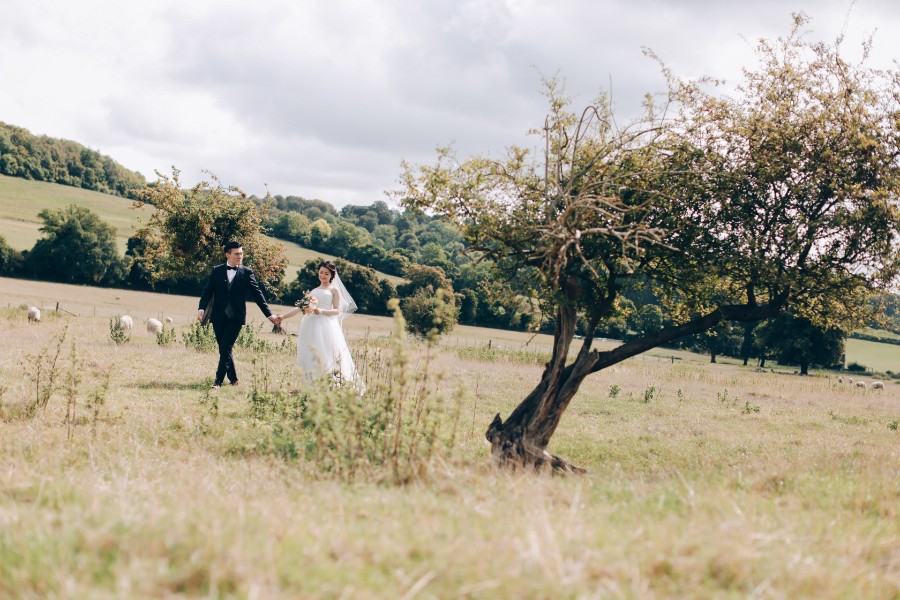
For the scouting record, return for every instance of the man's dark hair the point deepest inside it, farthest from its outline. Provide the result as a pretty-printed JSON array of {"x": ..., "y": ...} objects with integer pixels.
[{"x": 232, "y": 246}]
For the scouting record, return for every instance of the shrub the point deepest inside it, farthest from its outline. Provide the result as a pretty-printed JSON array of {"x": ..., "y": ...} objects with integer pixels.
[
  {"x": 430, "y": 315},
  {"x": 166, "y": 337},
  {"x": 388, "y": 433},
  {"x": 118, "y": 334},
  {"x": 249, "y": 339},
  {"x": 200, "y": 337}
]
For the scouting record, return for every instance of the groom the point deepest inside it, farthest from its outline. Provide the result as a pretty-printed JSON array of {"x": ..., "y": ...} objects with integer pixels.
[{"x": 229, "y": 287}]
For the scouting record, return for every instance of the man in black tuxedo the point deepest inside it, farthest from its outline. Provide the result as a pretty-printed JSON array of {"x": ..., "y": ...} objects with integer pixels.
[{"x": 230, "y": 285}]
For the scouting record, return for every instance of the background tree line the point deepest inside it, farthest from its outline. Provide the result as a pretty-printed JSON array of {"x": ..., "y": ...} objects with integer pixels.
[
  {"x": 393, "y": 242},
  {"x": 44, "y": 158},
  {"x": 79, "y": 247}
]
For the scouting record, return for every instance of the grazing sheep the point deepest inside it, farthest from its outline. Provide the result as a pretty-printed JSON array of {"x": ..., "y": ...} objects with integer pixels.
[
  {"x": 849, "y": 380},
  {"x": 34, "y": 314},
  {"x": 170, "y": 320},
  {"x": 861, "y": 384},
  {"x": 840, "y": 380},
  {"x": 126, "y": 322},
  {"x": 154, "y": 326},
  {"x": 877, "y": 385}
]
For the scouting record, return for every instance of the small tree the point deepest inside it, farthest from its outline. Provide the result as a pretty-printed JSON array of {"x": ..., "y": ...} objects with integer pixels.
[
  {"x": 184, "y": 235},
  {"x": 10, "y": 258},
  {"x": 729, "y": 209},
  {"x": 428, "y": 302},
  {"x": 430, "y": 314},
  {"x": 798, "y": 341},
  {"x": 77, "y": 247}
]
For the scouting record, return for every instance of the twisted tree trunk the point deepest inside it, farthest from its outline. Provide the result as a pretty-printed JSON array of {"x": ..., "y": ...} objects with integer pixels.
[{"x": 522, "y": 440}]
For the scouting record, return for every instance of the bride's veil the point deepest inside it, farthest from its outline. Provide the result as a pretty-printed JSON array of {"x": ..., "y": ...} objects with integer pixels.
[{"x": 347, "y": 304}]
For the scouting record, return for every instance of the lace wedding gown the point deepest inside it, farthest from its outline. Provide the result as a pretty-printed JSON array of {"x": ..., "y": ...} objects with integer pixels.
[{"x": 321, "y": 347}]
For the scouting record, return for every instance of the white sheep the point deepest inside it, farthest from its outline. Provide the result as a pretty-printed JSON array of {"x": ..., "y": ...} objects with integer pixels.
[
  {"x": 840, "y": 380},
  {"x": 154, "y": 326},
  {"x": 126, "y": 323},
  {"x": 34, "y": 314},
  {"x": 861, "y": 384},
  {"x": 170, "y": 320},
  {"x": 877, "y": 385},
  {"x": 849, "y": 380}
]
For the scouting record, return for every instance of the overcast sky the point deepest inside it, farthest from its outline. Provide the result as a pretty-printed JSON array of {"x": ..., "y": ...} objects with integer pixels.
[{"x": 324, "y": 98}]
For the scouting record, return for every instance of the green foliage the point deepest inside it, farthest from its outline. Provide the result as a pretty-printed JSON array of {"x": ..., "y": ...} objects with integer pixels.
[
  {"x": 485, "y": 353},
  {"x": 117, "y": 333},
  {"x": 714, "y": 207},
  {"x": 77, "y": 247},
  {"x": 648, "y": 395},
  {"x": 424, "y": 277},
  {"x": 645, "y": 320},
  {"x": 10, "y": 258},
  {"x": 893, "y": 425},
  {"x": 750, "y": 408},
  {"x": 427, "y": 301},
  {"x": 370, "y": 293},
  {"x": 43, "y": 158},
  {"x": 249, "y": 339},
  {"x": 797, "y": 341},
  {"x": 430, "y": 314},
  {"x": 319, "y": 233},
  {"x": 97, "y": 397},
  {"x": 388, "y": 434},
  {"x": 614, "y": 390},
  {"x": 43, "y": 371},
  {"x": 851, "y": 420},
  {"x": 166, "y": 337},
  {"x": 855, "y": 367},
  {"x": 201, "y": 338},
  {"x": 184, "y": 235}
]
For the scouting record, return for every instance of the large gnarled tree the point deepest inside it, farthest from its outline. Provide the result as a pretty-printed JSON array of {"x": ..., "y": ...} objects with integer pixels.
[{"x": 728, "y": 208}]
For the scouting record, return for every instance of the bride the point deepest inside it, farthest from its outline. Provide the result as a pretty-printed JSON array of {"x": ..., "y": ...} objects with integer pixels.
[{"x": 321, "y": 347}]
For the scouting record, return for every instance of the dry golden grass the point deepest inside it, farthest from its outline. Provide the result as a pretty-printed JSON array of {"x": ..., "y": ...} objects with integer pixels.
[{"x": 705, "y": 481}]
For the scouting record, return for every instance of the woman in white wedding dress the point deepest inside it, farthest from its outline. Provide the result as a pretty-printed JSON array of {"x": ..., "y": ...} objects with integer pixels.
[{"x": 321, "y": 347}]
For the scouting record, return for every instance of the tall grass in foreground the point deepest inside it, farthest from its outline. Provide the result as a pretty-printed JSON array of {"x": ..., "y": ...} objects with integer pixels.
[
  {"x": 705, "y": 481},
  {"x": 387, "y": 427}
]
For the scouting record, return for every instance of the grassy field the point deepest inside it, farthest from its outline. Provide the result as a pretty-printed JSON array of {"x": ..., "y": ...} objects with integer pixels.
[
  {"x": 874, "y": 355},
  {"x": 21, "y": 201},
  {"x": 705, "y": 481}
]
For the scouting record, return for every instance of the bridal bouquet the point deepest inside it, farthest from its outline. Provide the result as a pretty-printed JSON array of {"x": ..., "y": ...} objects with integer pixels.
[{"x": 306, "y": 302}]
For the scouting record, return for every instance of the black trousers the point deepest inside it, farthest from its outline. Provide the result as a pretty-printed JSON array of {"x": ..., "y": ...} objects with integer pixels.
[{"x": 226, "y": 331}]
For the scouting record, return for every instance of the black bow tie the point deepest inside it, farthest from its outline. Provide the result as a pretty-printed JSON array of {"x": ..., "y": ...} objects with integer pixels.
[{"x": 230, "y": 268}]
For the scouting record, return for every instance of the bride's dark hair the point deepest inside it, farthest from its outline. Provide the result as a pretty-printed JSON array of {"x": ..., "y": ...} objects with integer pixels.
[{"x": 331, "y": 268}]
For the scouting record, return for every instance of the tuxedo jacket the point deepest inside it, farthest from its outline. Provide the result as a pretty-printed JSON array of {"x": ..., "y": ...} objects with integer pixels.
[{"x": 244, "y": 287}]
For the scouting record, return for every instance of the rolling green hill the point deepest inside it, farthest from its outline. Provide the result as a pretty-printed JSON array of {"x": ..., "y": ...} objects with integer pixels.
[{"x": 21, "y": 200}]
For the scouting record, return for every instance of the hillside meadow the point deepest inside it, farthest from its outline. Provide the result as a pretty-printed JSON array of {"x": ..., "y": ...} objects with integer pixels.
[
  {"x": 21, "y": 200},
  {"x": 704, "y": 481}
]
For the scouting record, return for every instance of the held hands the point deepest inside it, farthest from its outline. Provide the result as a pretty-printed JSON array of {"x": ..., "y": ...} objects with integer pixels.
[{"x": 276, "y": 319}]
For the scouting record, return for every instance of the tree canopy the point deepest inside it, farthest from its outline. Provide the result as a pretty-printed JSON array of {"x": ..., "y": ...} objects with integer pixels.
[
  {"x": 727, "y": 208},
  {"x": 43, "y": 158},
  {"x": 183, "y": 237},
  {"x": 76, "y": 247}
]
